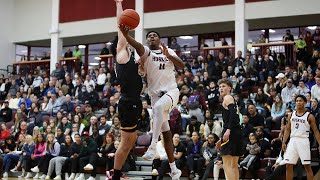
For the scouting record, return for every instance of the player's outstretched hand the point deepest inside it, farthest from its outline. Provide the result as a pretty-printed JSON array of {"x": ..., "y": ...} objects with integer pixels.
[
  {"x": 164, "y": 49},
  {"x": 124, "y": 29},
  {"x": 284, "y": 147}
]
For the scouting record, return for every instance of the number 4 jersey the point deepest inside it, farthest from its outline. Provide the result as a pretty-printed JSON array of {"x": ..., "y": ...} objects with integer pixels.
[
  {"x": 300, "y": 126},
  {"x": 160, "y": 71}
]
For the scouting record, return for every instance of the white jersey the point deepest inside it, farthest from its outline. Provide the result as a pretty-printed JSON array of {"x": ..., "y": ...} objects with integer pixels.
[
  {"x": 160, "y": 71},
  {"x": 300, "y": 126}
]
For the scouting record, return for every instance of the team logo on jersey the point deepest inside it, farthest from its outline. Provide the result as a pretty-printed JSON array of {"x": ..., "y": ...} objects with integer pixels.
[{"x": 160, "y": 59}]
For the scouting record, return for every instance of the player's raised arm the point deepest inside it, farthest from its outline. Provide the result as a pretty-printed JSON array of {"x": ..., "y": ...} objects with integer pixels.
[
  {"x": 138, "y": 46},
  {"x": 172, "y": 56},
  {"x": 287, "y": 131},
  {"x": 313, "y": 125}
]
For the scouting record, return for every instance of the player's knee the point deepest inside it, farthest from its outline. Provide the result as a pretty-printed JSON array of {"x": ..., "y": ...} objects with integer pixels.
[{"x": 158, "y": 108}]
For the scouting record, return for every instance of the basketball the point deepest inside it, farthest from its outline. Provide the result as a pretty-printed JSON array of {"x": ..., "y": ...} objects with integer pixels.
[{"x": 130, "y": 18}]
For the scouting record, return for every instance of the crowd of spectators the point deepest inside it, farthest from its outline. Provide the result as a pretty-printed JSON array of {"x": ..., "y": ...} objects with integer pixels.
[{"x": 56, "y": 121}]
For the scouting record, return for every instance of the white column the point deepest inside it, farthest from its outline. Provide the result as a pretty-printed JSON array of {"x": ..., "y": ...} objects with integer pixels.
[
  {"x": 139, "y": 33},
  {"x": 241, "y": 27},
  {"x": 56, "y": 42}
]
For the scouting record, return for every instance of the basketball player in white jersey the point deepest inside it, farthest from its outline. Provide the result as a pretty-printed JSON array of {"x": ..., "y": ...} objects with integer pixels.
[
  {"x": 298, "y": 128},
  {"x": 159, "y": 64}
]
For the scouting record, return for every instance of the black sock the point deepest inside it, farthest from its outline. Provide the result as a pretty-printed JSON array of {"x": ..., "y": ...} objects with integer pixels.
[{"x": 117, "y": 175}]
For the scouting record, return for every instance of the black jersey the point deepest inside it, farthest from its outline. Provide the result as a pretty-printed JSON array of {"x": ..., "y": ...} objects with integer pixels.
[
  {"x": 230, "y": 122},
  {"x": 129, "y": 79}
]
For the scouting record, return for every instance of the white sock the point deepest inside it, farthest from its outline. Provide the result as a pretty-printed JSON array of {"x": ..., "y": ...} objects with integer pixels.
[{"x": 173, "y": 166}]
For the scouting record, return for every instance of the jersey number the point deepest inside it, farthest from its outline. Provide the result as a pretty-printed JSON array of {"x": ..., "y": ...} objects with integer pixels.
[
  {"x": 297, "y": 126},
  {"x": 161, "y": 66}
]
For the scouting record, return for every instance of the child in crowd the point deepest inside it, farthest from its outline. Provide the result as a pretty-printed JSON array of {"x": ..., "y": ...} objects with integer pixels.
[{"x": 253, "y": 149}]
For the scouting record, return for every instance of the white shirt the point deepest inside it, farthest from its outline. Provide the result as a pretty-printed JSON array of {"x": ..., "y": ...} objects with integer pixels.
[
  {"x": 315, "y": 91},
  {"x": 37, "y": 81},
  {"x": 3, "y": 87},
  {"x": 101, "y": 80},
  {"x": 300, "y": 126},
  {"x": 87, "y": 84},
  {"x": 160, "y": 71}
]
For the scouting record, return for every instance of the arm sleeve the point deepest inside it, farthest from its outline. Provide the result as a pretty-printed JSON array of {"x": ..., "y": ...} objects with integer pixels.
[{"x": 234, "y": 117}]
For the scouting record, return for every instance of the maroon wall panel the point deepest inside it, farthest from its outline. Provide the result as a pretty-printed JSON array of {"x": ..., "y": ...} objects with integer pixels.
[
  {"x": 78, "y": 10},
  {"x": 166, "y": 5}
]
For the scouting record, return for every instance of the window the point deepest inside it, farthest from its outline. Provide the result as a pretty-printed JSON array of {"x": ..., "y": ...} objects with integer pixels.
[
  {"x": 38, "y": 53},
  {"x": 21, "y": 52}
]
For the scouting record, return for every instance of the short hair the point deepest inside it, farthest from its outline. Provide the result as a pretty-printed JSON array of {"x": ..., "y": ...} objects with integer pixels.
[
  {"x": 302, "y": 97},
  {"x": 225, "y": 81},
  {"x": 152, "y": 32}
]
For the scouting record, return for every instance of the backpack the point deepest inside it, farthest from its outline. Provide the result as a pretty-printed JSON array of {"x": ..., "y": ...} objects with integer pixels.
[{"x": 193, "y": 102}]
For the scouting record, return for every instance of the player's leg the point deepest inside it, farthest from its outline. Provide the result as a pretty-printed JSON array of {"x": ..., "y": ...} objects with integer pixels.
[
  {"x": 289, "y": 171},
  {"x": 227, "y": 163},
  {"x": 235, "y": 169},
  {"x": 305, "y": 157},
  {"x": 122, "y": 53},
  {"x": 309, "y": 171},
  {"x": 128, "y": 139}
]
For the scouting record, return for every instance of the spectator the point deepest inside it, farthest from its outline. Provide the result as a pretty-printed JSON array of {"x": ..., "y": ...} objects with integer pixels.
[
  {"x": 59, "y": 161},
  {"x": 77, "y": 54},
  {"x": 292, "y": 103},
  {"x": 53, "y": 106},
  {"x": 61, "y": 98},
  {"x": 15, "y": 101},
  {"x": 115, "y": 128},
  {"x": 277, "y": 113},
  {"x": 287, "y": 92},
  {"x": 104, "y": 50},
  {"x": 253, "y": 149},
  {"x": 174, "y": 45},
  {"x": 213, "y": 96},
  {"x": 28, "y": 149},
  {"x": 67, "y": 106},
  {"x": 68, "y": 53},
  {"x": 13, "y": 88},
  {"x": 4, "y": 133},
  {"x": 26, "y": 100},
  {"x": 73, "y": 161},
  {"x": 255, "y": 119},
  {"x": 101, "y": 80},
  {"x": 301, "y": 49},
  {"x": 103, "y": 127},
  {"x": 261, "y": 100},
  {"x": 316, "y": 40},
  {"x": 182, "y": 107},
  {"x": 212, "y": 127},
  {"x": 311, "y": 81},
  {"x": 193, "y": 154},
  {"x": 302, "y": 88},
  {"x": 288, "y": 36},
  {"x": 202, "y": 44},
  {"x": 88, "y": 82},
  {"x": 247, "y": 128},
  {"x": 89, "y": 148},
  {"x": 65, "y": 126},
  {"x": 6, "y": 113},
  {"x": 209, "y": 155},
  {"x": 308, "y": 38},
  {"x": 92, "y": 97},
  {"x": 194, "y": 126},
  {"x": 262, "y": 38},
  {"x": 67, "y": 85},
  {"x": 315, "y": 89}
]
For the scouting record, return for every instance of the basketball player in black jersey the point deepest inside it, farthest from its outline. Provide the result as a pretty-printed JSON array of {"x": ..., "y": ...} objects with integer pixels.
[
  {"x": 130, "y": 105},
  {"x": 230, "y": 146}
]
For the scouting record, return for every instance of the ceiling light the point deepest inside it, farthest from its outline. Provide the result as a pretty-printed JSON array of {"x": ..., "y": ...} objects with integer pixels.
[
  {"x": 24, "y": 51},
  {"x": 109, "y": 43},
  {"x": 97, "y": 58},
  {"x": 82, "y": 46},
  {"x": 185, "y": 37},
  {"x": 312, "y": 27},
  {"x": 187, "y": 52},
  {"x": 93, "y": 64},
  {"x": 263, "y": 30},
  {"x": 271, "y": 31}
]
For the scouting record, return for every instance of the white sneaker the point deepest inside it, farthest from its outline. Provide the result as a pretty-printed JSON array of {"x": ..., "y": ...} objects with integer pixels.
[
  {"x": 35, "y": 169},
  {"x": 91, "y": 178},
  {"x": 81, "y": 177},
  {"x": 88, "y": 167},
  {"x": 23, "y": 173},
  {"x": 57, "y": 177},
  {"x": 154, "y": 172},
  {"x": 15, "y": 169},
  {"x": 5, "y": 175},
  {"x": 71, "y": 176},
  {"x": 150, "y": 154},
  {"x": 47, "y": 177},
  {"x": 176, "y": 174},
  {"x": 197, "y": 177},
  {"x": 43, "y": 176},
  {"x": 77, "y": 175},
  {"x": 36, "y": 176},
  {"x": 29, "y": 175},
  {"x": 66, "y": 175}
]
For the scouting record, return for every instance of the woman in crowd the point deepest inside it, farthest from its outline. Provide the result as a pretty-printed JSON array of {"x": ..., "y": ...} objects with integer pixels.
[
  {"x": 13, "y": 157},
  {"x": 277, "y": 112},
  {"x": 73, "y": 161},
  {"x": 36, "y": 131},
  {"x": 4, "y": 133},
  {"x": 58, "y": 162},
  {"x": 38, "y": 153},
  {"x": 44, "y": 104},
  {"x": 115, "y": 128},
  {"x": 52, "y": 149},
  {"x": 65, "y": 126},
  {"x": 60, "y": 136},
  {"x": 18, "y": 118},
  {"x": 27, "y": 151},
  {"x": 111, "y": 112},
  {"x": 76, "y": 120},
  {"x": 8, "y": 145}
]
